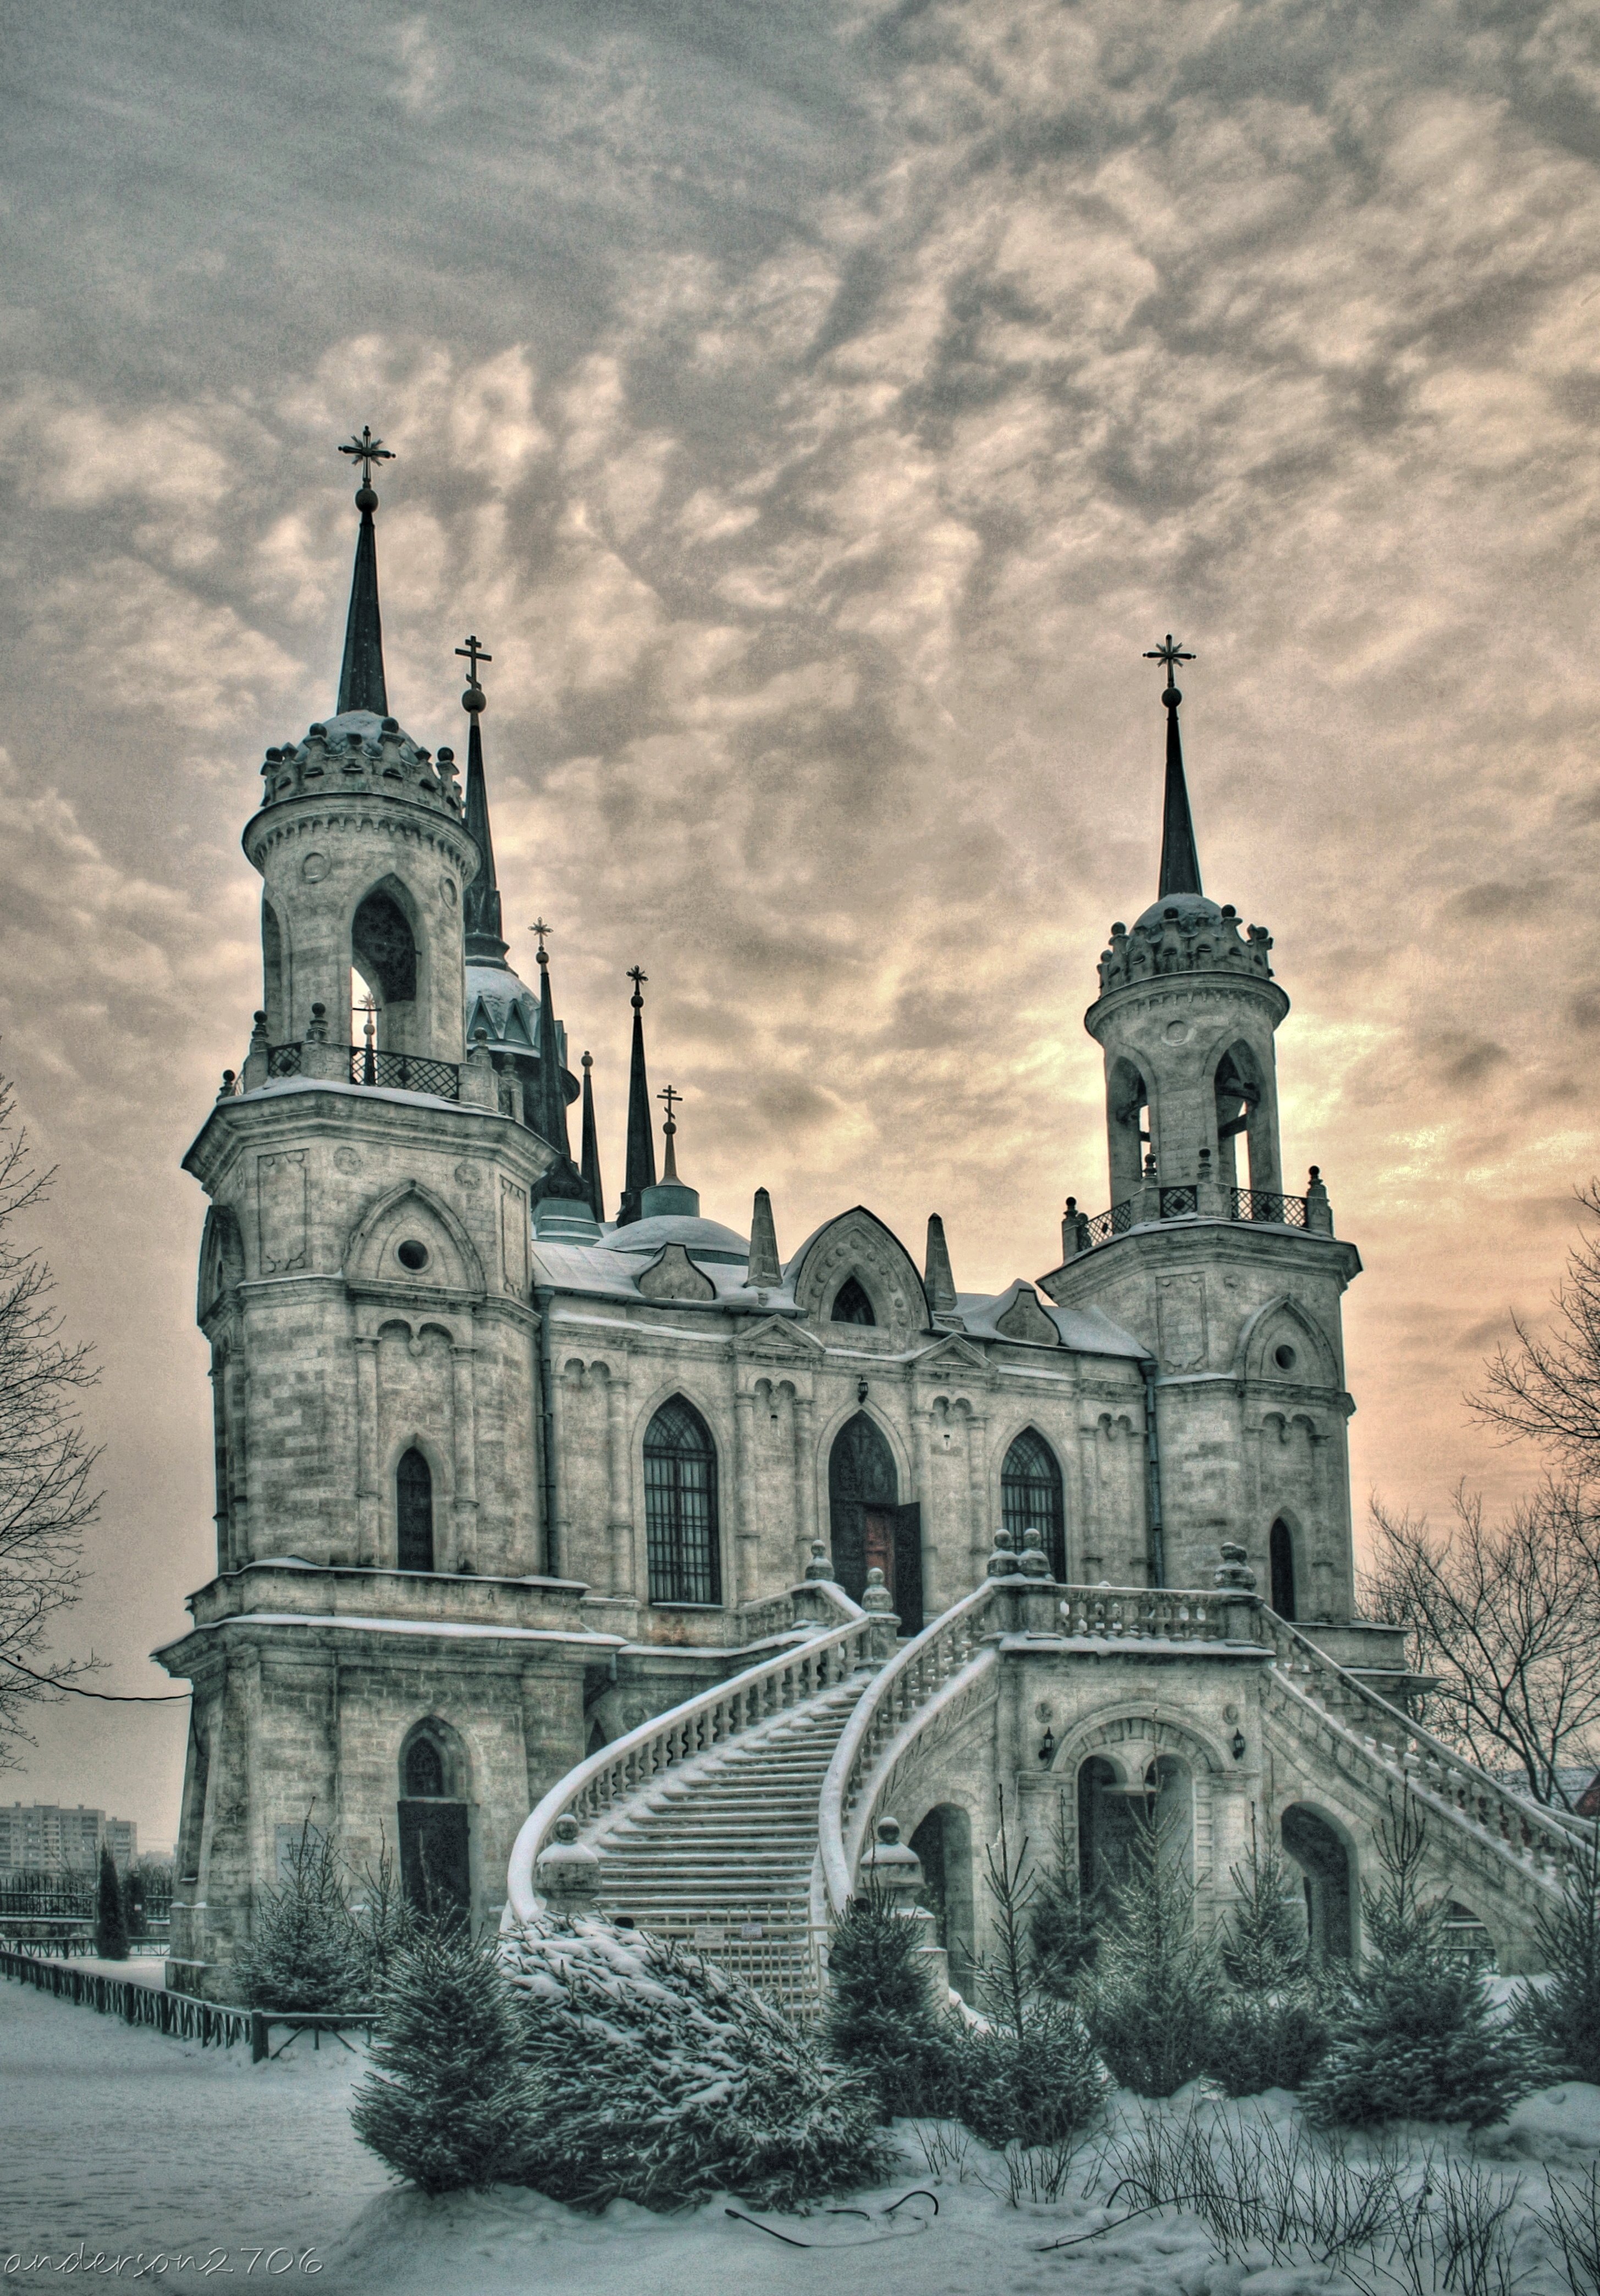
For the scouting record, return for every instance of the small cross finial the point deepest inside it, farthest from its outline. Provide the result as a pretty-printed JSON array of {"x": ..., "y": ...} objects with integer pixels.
[
  {"x": 638, "y": 979},
  {"x": 366, "y": 450},
  {"x": 1169, "y": 655},
  {"x": 472, "y": 653},
  {"x": 541, "y": 927},
  {"x": 672, "y": 1098}
]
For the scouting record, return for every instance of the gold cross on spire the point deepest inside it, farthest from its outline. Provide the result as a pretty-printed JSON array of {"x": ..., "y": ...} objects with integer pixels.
[
  {"x": 366, "y": 450},
  {"x": 1169, "y": 655},
  {"x": 472, "y": 653}
]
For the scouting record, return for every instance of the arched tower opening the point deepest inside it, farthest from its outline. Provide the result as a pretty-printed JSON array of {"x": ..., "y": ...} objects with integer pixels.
[
  {"x": 1328, "y": 1876},
  {"x": 383, "y": 967},
  {"x": 1243, "y": 1095},
  {"x": 1280, "y": 1558},
  {"x": 1129, "y": 1127},
  {"x": 414, "y": 1511}
]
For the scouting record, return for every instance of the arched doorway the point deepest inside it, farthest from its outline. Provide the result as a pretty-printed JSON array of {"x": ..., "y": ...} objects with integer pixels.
[
  {"x": 1327, "y": 1871},
  {"x": 1111, "y": 1810},
  {"x": 1031, "y": 1497},
  {"x": 435, "y": 1847},
  {"x": 944, "y": 1843},
  {"x": 1280, "y": 1556},
  {"x": 869, "y": 1526}
]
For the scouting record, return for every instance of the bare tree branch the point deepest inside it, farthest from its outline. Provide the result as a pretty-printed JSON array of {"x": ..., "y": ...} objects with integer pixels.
[
  {"x": 1546, "y": 1389},
  {"x": 46, "y": 1464},
  {"x": 1506, "y": 1620}
]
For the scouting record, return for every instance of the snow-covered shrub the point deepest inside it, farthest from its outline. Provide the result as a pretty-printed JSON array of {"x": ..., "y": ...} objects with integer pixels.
[
  {"x": 1270, "y": 2028},
  {"x": 1031, "y": 2073},
  {"x": 1414, "y": 2034},
  {"x": 304, "y": 1952},
  {"x": 882, "y": 2020},
  {"x": 384, "y": 1924},
  {"x": 451, "y": 2101},
  {"x": 664, "y": 2081},
  {"x": 111, "y": 1924},
  {"x": 1562, "y": 2018},
  {"x": 1149, "y": 1999}
]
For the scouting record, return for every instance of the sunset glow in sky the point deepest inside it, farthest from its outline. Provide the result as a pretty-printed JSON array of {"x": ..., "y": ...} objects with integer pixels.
[{"x": 817, "y": 410}]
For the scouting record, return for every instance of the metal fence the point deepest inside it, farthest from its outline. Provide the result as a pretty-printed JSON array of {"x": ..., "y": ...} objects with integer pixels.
[
  {"x": 404, "y": 1072},
  {"x": 74, "y": 1897},
  {"x": 214, "y": 2024},
  {"x": 1278, "y": 1211}
]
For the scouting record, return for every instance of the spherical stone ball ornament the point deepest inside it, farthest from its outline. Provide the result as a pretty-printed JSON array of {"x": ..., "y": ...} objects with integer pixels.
[
  {"x": 365, "y": 498},
  {"x": 314, "y": 869},
  {"x": 474, "y": 699}
]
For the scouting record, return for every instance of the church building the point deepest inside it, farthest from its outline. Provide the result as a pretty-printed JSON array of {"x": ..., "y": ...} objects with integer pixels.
[{"x": 508, "y": 1478}]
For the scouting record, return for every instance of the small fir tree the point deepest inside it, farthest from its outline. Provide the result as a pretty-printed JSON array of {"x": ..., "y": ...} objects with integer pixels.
[
  {"x": 111, "y": 1927},
  {"x": 1561, "y": 2019},
  {"x": 133, "y": 1903},
  {"x": 305, "y": 1951},
  {"x": 450, "y": 2103},
  {"x": 384, "y": 1924},
  {"x": 1032, "y": 2073},
  {"x": 883, "y": 2021},
  {"x": 1150, "y": 2000},
  {"x": 1269, "y": 2030},
  {"x": 1061, "y": 1921},
  {"x": 1414, "y": 2033}
]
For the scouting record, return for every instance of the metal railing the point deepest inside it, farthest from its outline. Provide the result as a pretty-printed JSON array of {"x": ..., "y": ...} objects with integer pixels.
[
  {"x": 405, "y": 1073},
  {"x": 713, "y": 1718},
  {"x": 282, "y": 1060},
  {"x": 1257, "y": 1204},
  {"x": 901, "y": 1696},
  {"x": 1116, "y": 1222},
  {"x": 1389, "y": 1749},
  {"x": 208, "y": 2023}
]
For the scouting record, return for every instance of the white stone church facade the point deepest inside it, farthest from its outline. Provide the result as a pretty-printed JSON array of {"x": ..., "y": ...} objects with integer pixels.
[{"x": 503, "y": 1484}]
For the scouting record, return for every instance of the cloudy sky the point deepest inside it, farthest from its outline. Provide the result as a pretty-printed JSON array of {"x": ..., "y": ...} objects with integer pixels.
[{"x": 817, "y": 410}]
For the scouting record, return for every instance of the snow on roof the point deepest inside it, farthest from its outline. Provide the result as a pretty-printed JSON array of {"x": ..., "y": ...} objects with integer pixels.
[{"x": 1085, "y": 1331}]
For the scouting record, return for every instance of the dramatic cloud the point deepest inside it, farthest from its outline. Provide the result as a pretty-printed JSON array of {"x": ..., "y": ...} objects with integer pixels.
[{"x": 817, "y": 412}]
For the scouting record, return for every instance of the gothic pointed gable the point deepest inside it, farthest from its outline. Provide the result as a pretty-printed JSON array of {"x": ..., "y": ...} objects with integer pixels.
[
  {"x": 956, "y": 1356},
  {"x": 776, "y": 1339},
  {"x": 672, "y": 1274},
  {"x": 1022, "y": 1318},
  {"x": 858, "y": 1247},
  {"x": 409, "y": 1239}
]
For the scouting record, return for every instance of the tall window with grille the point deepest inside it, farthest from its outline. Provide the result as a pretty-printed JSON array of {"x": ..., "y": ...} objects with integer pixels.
[
  {"x": 413, "y": 1512},
  {"x": 680, "y": 1506},
  {"x": 1031, "y": 1497}
]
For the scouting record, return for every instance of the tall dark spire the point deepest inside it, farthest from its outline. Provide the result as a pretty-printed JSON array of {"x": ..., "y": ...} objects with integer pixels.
[
  {"x": 361, "y": 678},
  {"x": 1180, "y": 857},
  {"x": 481, "y": 904},
  {"x": 592, "y": 1180},
  {"x": 641, "y": 1136},
  {"x": 553, "y": 1099}
]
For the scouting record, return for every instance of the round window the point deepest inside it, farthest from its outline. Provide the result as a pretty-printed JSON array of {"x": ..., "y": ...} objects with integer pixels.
[
  {"x": 1284, "y": 1357},
  {"x": 414, "y": 1255}
]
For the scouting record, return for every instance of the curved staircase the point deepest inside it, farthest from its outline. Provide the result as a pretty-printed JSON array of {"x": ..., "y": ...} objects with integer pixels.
[{"x": 739, "y": 1820}]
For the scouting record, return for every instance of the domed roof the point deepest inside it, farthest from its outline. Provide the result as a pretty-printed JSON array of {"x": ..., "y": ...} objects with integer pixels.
[
  {"x": 497, "y": 1000},
  {"x": 702, "y": 1239},
  {"x": 1184, "y": 908}
]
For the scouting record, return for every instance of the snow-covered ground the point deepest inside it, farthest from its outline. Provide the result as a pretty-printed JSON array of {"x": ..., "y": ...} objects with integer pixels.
[{"x": 129, "y": 2142}]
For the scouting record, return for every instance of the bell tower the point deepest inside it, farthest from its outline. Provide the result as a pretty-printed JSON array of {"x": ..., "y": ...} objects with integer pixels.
[{"x": 1231, "y": 1284}]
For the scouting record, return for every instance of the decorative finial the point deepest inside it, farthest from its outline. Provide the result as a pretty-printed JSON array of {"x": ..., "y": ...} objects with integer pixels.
[
  {"x": 366, "y": 450},
  {"x": 589, "y": 1063},
  {"x": 541, "y": 927},
  {"x": 474, "y": 699},
  {"x": 638, "y": 979},
  {"x": 1169, "y": 655}
]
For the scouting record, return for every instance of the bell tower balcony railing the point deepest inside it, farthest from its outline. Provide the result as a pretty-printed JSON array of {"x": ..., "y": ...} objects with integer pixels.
[{"x": 1205, "y": 1199}]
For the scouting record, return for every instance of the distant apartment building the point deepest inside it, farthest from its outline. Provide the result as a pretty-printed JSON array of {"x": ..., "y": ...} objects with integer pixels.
[{"x": 43, "y": 1838}]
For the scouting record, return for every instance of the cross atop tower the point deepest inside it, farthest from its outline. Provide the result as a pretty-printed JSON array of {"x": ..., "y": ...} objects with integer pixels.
[
  {"x": 672, "y": 1097},
  {"x": 366, "y": 450},
  {"x": 638, "y": 979},
  {"x": 669, "y": 1169},
  {"x": 1169, "y": 655},
  {"x": 541, "y": 927},
  {"x": 472, "y": 653}
]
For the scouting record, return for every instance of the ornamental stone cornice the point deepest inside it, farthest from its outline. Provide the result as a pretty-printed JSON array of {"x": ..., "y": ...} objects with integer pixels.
[
  {"x": 373, "y": 1116},
  {"x": 395, "y": 817}
]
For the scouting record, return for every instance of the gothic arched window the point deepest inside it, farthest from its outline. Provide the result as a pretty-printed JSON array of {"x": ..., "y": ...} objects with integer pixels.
[
  {"x": 424, "y": 1770},
  {"x": 1280, "y": 1555},
  {"x": 680, "y": 1506},
  {"x": 413, "y": 1512},
  {"x": 852, "y": 1304},
  {"x": 1031, "y": 1497}
]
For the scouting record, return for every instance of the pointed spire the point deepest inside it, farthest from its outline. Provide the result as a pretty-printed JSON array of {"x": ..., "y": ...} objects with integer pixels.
[
  {"x": 552, "y": 1121},
  {"x": 361, "y": 678},
  {"x": 1180, "y": 857},
  {"x": 641, "y": 1133},
  {"x": 765, "y": 1271},
  {"x": 938, "y": 1282},
  {"x": 591, "y": 1148},
  {"x": 480, "y": 904}
]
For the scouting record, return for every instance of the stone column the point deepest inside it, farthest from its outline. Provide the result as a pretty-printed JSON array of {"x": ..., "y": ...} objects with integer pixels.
[
  {"x": 745, "y": 1550},
  {"x": 979, "y": 1532},
  {"x": 805, "y": 1480},
  {"x": 237, "y": 1404},
  {"x": 369, "y": 1530},
  {"x": 618, "y": 1485},
  {"x": 463, "y": 1362},
  {"x": 936, "y": 1596},
  {"x": 223, "y": 1471}
]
